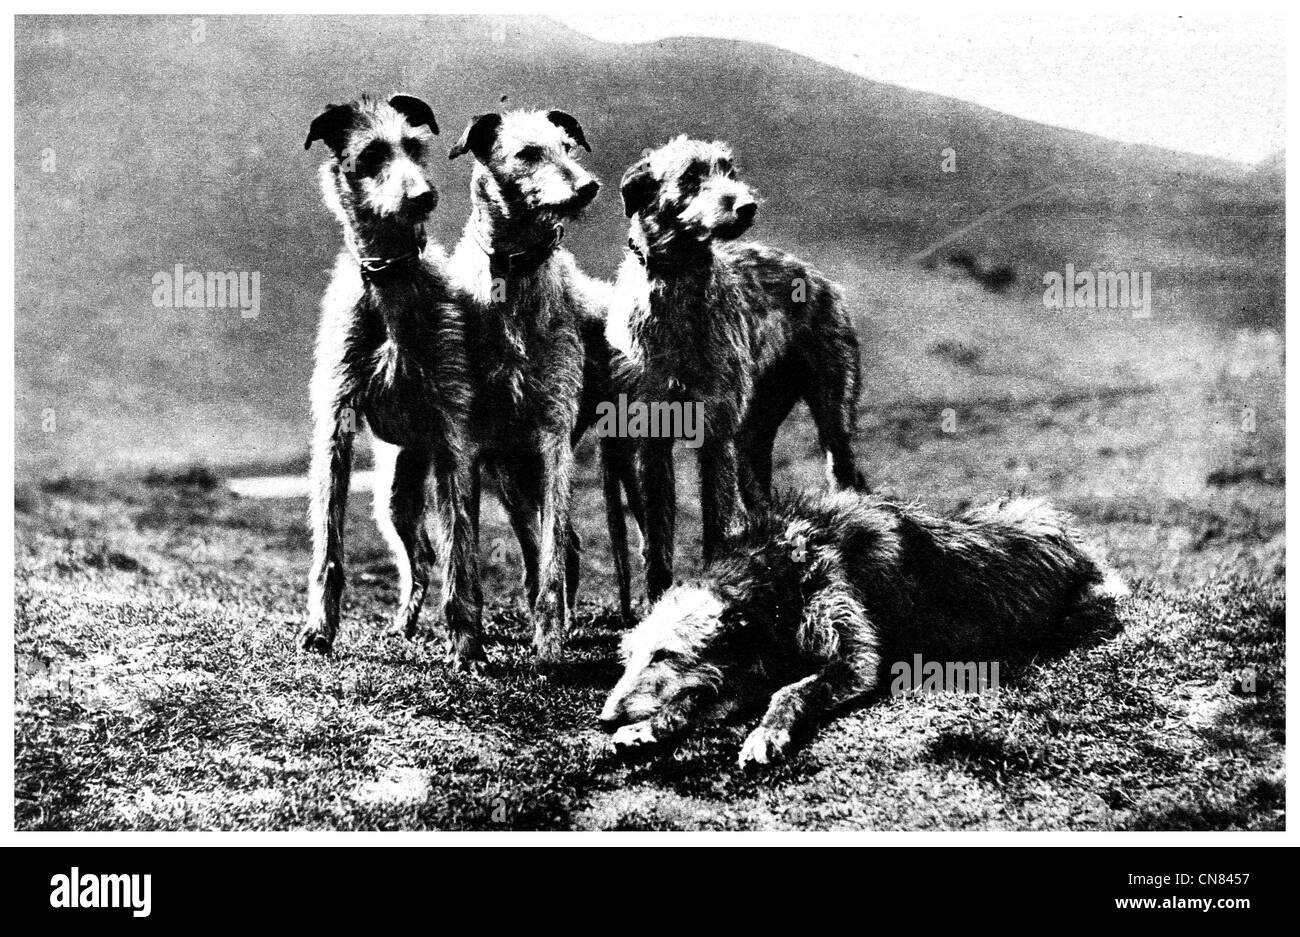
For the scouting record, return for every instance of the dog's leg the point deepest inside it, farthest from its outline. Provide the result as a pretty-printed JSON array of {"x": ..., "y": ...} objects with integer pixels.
[
  {"x": 719, "y": 487},
  {"x": 801, "y": 706},
  {"x": 519, "y": 498},
  {"x": 551, "y": 617},
  {"x": 659, "y": 487},
  {"x": 400, "y": 478},
  {"x": 773, "y": 399},
  {"x": 834, "y": 627},
  {"x": 572, "y": 566},
  {"x": 462, "y": 590},
  {"x": 833, "y": 402},
  {"x": 331, "y": 471},
  {"x": 612, "y": 455}
]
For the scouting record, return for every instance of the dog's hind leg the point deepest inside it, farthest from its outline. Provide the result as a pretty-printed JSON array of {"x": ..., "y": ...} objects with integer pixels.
[
  {"x": 572, "y": 566},
  {"x": 520, "y": 503},
  {"x": 659, "y": 487},
  {"x": 462, "y": 591},
  {"x": 774, "y": 397},
  {"x": 832, "y": 399},
  {"x": 612, "y": 469},
  {"x": 719, "y": 487},
  {"x": 400, "y": 479},
  {"x": 330, "y": 474}
]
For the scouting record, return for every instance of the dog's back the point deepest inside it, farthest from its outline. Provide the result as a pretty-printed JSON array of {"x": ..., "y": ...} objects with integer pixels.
[
  {"x": 795, "y": 309},
  {"x": 1003, "y": 580}
]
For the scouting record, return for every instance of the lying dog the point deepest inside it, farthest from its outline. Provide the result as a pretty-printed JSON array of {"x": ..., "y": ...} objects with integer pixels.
[{"x": 820, "y": 593}]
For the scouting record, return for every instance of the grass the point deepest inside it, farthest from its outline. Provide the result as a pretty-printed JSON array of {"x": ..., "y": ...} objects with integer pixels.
[
  {"x": 158, "y": 687},
  {"x": 157, "y": 683}
]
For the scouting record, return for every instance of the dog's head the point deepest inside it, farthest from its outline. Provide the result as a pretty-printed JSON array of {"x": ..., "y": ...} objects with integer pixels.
[
  {"x": 710, "y": 646},
  {"x": 527, "y": 163},
  {"x": 689, "y": 187},
  {"x": 380, "y": 154},
  {"x": 677, "y": 657}
]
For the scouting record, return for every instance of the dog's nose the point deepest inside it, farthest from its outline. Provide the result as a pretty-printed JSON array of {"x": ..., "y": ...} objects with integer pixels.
[
  {"x": 587, "y": 191},
  {"x": 422, "y": 203},
  {"x": 745, "y": 212},
  {"x": 608, "y": 721}
]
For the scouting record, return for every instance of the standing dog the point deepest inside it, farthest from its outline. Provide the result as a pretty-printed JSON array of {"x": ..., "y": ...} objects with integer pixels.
[
  {"x": 526, "y": 301},
  {"x": 390, "y": 353},
  {"x": 821, "y": 592},
  {"x": 746, "y": 330}
]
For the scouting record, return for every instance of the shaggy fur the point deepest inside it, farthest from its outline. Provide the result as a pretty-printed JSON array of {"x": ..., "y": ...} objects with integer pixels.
[
  {"x": 391, "y": 354},
  {"x": 816, "y": 598},
  {"x": 744, "y": 329},
  {"x": 530, "y": 354}
]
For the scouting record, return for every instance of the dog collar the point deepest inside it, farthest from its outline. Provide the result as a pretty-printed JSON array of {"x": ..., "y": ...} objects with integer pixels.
[
  {"x": 373, "y": 268},
  {"x": 519, "y": 262},
  {"x": 637, "y": 252}
]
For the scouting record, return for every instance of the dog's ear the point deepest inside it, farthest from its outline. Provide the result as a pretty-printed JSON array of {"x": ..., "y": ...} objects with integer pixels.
[
  {"x": 478, "y": 137},
  {"x": 416, "y": 112},
  {"x": 638, "y": 187},
  {"x": 331, "y": 127},
  {"x": 569, "y": 124}
]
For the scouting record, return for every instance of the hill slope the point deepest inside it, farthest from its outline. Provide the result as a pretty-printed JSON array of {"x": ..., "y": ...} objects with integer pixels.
[{"x": 170, "y": 150}]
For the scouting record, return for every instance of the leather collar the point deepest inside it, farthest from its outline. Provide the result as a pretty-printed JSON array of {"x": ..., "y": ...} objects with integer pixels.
[
  {"x": 375, "y": 268},
  {"x": 521, "y": 262}
]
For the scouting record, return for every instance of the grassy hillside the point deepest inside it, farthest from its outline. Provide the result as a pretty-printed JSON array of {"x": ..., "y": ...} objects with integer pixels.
[
  {"x": 173, "y": 151},
  {"x": 157, "y": 682}
]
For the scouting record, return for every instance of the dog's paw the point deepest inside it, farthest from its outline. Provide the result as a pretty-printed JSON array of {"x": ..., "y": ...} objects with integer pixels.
[
  {"x": 465, "y": 654},
  {"x": 410, "y": 632},
  {"x": 764, "y": 746},
  {"x": 548, "y": 637},
  {"x": 631, "y": 738},
  {"x": 314, "y": 639}
]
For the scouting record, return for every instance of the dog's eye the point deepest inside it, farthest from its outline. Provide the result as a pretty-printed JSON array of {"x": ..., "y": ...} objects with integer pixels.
[
  {"x": 413, "y": 148},
  {"x": 661, "y": 656},
  {"x": 372, "y": 157},
  {"x": 529, "y": 154}
]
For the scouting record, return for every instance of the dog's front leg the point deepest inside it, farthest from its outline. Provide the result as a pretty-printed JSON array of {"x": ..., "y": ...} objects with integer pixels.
[
  {"x": 551, "y": 616},
  {"x": 659, "y": 488},
  {"x": 719, "y": 494},
  {"x": 801, "y": 706},
  {"x": 331, "y": 470},
  {"x": 457, "y": 495},
  {"x": 835, "y": 628}
]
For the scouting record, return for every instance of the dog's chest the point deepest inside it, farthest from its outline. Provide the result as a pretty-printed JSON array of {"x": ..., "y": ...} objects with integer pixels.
[
  {"x": 526, "y": 363},
  {"x": 694, "y": 341}
]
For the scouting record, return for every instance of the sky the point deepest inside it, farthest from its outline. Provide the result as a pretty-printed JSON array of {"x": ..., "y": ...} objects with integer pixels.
[{"x": 1200, "y": 84}]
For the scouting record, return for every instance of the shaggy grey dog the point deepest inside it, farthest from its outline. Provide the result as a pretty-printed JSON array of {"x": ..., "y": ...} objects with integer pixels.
[
  {"x": 390, "y": 354},
  {"x": 819, "y": 594},
  {"x": 742, "y": 329}
]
